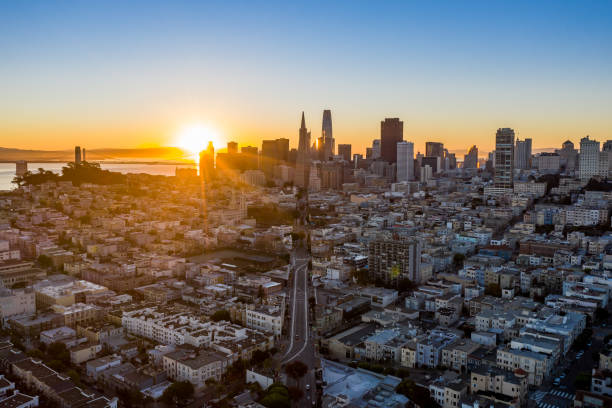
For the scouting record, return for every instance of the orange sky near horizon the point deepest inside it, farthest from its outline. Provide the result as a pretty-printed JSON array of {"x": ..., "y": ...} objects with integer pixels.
[
  {"x": 138, "y": 135},
  {"x": 104, "y": 75}
]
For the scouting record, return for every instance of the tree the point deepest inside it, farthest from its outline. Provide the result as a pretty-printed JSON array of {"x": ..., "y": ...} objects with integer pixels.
[
  {"x": 277, "y": 396},
  {"x": 220, "y": 315},
  {"x": 178, "y": 393},
  {"x": 296, "y": 370},
  {"x": 583, "y": 381},
  {"x": 74, "y": 376},
  {"x": 295, "y": 393},
  {"x": 36, "y": 353},
  {"x": 419, "y": 395},
  {"x": 259, "y": 356},
  {"x": 58, "y": 351},
  {"x": 458, "y": 259}
]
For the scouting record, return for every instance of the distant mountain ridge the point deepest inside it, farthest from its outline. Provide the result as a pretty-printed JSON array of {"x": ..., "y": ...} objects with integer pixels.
[{"x": 163, "y": 154}]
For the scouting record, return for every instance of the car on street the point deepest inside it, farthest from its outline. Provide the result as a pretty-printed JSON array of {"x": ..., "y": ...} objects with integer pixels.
[{"x": 307, "y": 386}]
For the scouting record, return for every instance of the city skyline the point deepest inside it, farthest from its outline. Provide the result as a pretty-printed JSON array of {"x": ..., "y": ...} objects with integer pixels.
[{"x": 132, "y": 86}]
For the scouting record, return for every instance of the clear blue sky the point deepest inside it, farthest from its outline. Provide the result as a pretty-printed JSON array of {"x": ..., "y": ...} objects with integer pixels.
[{"x": 109, "y": 73}]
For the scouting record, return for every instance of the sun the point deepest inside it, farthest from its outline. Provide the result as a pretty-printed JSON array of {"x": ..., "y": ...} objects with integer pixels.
[{"x": 194, "y": 138}]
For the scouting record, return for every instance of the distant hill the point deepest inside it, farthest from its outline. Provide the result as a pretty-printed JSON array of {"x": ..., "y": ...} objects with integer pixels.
[{"x": 152, "y": 154}]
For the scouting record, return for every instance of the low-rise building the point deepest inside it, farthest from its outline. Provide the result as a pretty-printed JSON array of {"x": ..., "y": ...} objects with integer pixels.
[{"x": 195, "y": 365}]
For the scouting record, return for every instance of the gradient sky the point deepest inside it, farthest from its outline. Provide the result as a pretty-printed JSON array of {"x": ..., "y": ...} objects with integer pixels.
[{"x": 112, "y": 74}]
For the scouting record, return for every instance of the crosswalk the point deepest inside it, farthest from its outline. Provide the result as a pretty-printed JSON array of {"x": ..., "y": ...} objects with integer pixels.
[
  {"x": 539, "y": 396},
  {"x": 562, "y": 394}
]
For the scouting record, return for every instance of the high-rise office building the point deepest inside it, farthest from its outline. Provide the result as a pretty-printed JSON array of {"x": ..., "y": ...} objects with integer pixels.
[
  {"x": 84, "y": 158},
  {"x": 504, "y": 158},
  {"x": 282, "y": 149},
  {"x": 77, "y": 155},
  {"x": 376, "y": 152},
  {"x": 344, "y": 150},
  {"x": 589, "y": 158},
  {"x": 207, "y": 162},
  {"x": 393, "y": 260},
  {"x": 21, "y": 168},
  {"x": 405, "y": 161},
  {"x": 273, "y": 152},
  {"x": 327, "y": 134},
  {"x": 250, "y": 157},
  {"x": 470, "y": 160},
  {"x": 302, "y": 166},
  {"x": 232, "y": 147},
  {"x": 332, "y": 175},
  {"x": 522, "y": 154},
  {"x": 450, "y": 160},
  {"x": 434, "y": 149},
  {"x": 434, "y": 162},
  {"x": 269, "y": 156},
  {"x": 391, "y": 132}
]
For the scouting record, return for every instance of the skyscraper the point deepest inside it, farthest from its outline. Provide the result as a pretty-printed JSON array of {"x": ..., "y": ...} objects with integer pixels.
[
  {"x": 589, "y": 158},
  {"x": 207, "y": 162},
  {"x": 344, "y": 150},
  {"x": 375, "y": 149},
  {"x": 522, "y": 154},
  {"x": 273, "y": 152},
  {"x": 77, "y": 155},
  {"x": 391, "y": 132},
  {"x": 470, "y": 160},
  {"x": 250, "y": 157},
  {"x": 232, "y": 147},
  {"x": 302, "y": 166},
  {"x": 434, "y": 149},
  {"x": 84, "y": 158},
  {"x": 327, "y": 134},
  {"x": 504, "y": 158},
  {"x": 405, "y": 161}
]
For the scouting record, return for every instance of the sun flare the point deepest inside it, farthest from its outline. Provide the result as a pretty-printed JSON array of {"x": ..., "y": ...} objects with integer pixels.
[{"x": 195, "y": 138}]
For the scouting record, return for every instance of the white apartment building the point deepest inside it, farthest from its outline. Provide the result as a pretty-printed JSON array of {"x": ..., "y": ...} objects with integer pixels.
[
  {"x": 533, "y": 188},
  {"x": 195, "y": 366},
  {"x": 266, "y": 318},
  {"x": 448, "y": 393},
  {"x": 589, "y": 158},
  {"x": 537, "y": 366},
  {"x": 16, "y": 302},
  {"x": 580, "y": 216}
]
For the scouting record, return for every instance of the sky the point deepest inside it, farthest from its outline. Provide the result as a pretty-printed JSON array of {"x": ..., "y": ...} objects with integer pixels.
[{"x": 117, "y": 74}]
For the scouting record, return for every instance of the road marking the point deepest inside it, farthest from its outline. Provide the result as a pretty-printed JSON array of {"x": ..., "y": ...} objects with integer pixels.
[
  {"x": 292, "y": 314},
  {"x": 306, "y": 335}
]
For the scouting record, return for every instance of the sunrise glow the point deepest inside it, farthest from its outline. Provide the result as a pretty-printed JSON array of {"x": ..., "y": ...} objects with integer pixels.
[{"x": 195, "y": 137}]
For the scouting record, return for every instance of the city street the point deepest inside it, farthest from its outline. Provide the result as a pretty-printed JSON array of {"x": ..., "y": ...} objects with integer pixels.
[{"x": 301, "y": 344}]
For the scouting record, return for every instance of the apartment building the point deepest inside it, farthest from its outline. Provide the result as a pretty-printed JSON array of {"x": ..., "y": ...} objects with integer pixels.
[
  {"x": 455, "y": 355},
  {"x": 266, "y": 318},
  {"x": 537, "y": 365},
  {"x": 195, "y": 366},
  {"x": 499, "y": 386}
]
